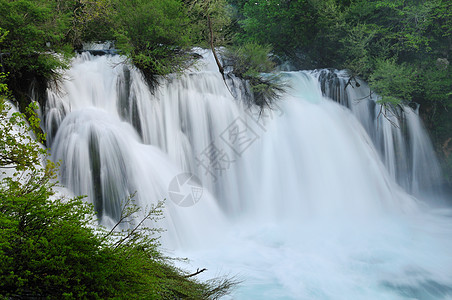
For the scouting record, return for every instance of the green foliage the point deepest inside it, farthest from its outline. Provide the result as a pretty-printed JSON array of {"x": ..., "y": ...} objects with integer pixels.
[
  {"x": 330, "y": 29},
  {"x": 287, "y": 25},
  {"x": 153, "y": 35},
  {"x": 442, "y": 19},
  {"x": 17, "y": 148},
  {"x": 36, "y": 29},
  {"x": 47, "y": 249},
  {"x": 249, "y": 62},
  {"x": 35, "y": 46},
  {"x": 403, "y": 27},
  {"x": 251, "y": 59},
  {"x": 393, "y": 82},
  {"x": 402, "y": 47},
  {"x": 307, "y": 32},
  {"x": 92, "y": 21},
  {"x": 3, "y": 86},
  {"x": 220, "y": 15},
  {"x": 356, "y": 48},
  {"x": 50, "y": 248},
  {"x": 438, "y": 85}
]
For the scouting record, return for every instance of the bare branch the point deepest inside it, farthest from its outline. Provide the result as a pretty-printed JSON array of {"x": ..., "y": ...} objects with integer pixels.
[{"x": 198, "y": 271}]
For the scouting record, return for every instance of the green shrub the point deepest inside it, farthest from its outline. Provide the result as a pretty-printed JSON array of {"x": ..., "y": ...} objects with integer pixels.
[{"x": 393, "y": 82}]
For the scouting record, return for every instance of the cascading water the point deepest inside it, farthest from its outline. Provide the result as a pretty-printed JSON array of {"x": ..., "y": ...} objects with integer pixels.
[
  {"x": 296, "y": 200},
  {"x": 397, "y": 132}
]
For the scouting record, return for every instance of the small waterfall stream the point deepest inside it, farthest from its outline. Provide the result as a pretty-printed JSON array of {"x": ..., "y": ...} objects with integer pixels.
[{"x": 397, "y": 133}]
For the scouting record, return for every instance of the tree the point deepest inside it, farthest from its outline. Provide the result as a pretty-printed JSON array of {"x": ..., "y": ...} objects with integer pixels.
[
  {"x": 154, "y": 34},
  {"x": 394, "y": 82},
  {"x": 92, "y": 21},
  {"x": 36, "y": 33},
  {"x": 211, "y": 20},
  {"x": 288, "y": 26}
]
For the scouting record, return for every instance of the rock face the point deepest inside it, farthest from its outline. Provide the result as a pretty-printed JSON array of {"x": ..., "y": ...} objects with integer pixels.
[{"x": 442, "y": 63}]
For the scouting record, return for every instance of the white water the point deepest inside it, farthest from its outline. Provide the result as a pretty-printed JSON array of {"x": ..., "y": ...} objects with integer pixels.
[
  {"x": 296, "y": 202},
  {"x": 398, "y": 134}
]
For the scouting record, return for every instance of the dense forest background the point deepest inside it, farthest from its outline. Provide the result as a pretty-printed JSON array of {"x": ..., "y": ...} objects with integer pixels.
[{"x": 401, "y": 47}]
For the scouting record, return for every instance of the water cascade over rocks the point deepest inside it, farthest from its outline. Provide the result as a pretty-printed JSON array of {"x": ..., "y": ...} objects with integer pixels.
[
  {"x": 397, "y": 133},
  {"x": 309, "y": 200}
]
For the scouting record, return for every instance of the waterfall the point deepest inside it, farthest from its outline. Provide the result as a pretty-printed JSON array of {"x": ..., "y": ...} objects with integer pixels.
[
  {"x": 397, "y": 133},
  {"x": 307, "y": 200}
]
